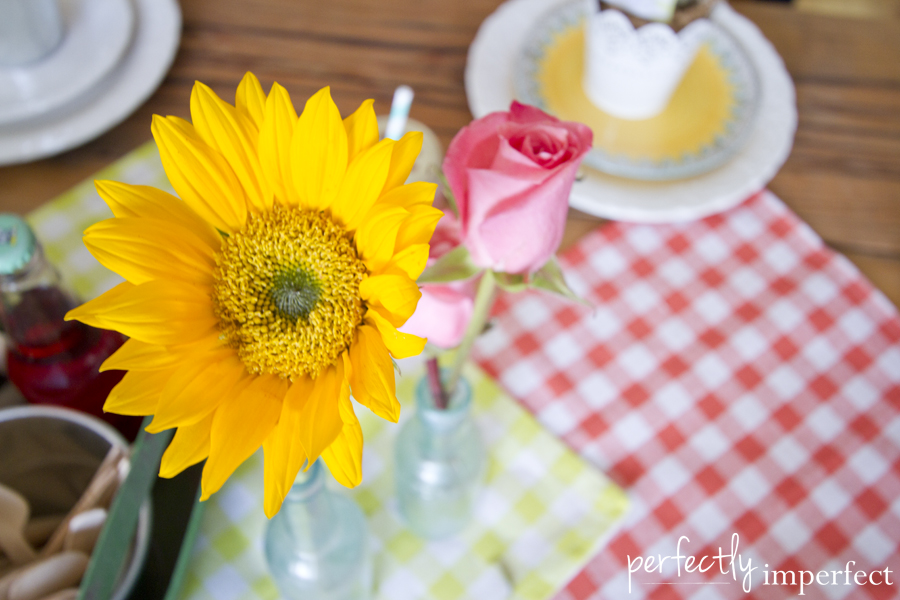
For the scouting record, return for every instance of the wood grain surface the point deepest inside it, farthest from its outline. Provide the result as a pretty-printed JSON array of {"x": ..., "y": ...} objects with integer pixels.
[{"x": 843, "y": 176}]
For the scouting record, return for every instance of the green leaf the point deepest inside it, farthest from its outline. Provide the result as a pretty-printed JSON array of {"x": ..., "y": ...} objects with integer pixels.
[
  {"x": 448, "y": 195},
  {"x": 511, "y": 283},
  {"x": 550, "y": 278},
  {"x": 115, "y": 538},
  {"x": 456, "y": 265}
]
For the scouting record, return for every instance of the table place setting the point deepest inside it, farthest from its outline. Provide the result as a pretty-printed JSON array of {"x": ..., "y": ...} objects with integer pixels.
[
  {"x": 298, "y": 351},
  {"x": 692, "y": 160}
]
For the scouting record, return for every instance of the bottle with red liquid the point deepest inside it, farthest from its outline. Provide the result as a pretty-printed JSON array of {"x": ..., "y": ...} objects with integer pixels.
[{"x": 50, "y": 360}]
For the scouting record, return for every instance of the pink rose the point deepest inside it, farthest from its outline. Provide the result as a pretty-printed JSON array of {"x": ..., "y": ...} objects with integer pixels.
[
  {"x": 511, "y": 174},
  {"x": 444, "y": 310}
]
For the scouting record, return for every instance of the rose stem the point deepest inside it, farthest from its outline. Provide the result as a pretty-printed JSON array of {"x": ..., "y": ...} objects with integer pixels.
[
  {"x": 484, "y": 300},
  {"x": 434, "y": 382}
]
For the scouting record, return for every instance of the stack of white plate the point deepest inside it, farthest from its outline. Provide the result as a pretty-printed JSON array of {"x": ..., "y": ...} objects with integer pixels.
[{"x": 113, "y": 55}]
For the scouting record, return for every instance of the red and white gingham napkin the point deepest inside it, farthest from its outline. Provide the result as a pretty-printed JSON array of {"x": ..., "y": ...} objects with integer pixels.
[{"x": 735, "y": 376}]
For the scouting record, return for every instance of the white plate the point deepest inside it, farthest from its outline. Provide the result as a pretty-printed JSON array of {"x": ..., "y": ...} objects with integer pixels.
[
  {"x": 155, "y": 41},
  {"x": 96, "y": 35},
  {"x": 490, "y": 87}
]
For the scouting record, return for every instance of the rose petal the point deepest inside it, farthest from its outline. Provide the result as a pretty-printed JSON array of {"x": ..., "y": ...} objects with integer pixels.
[{"x": 462, "y": 154}]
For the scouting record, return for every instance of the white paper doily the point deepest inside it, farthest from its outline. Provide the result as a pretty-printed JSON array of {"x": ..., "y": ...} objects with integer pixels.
[{"x": 489, "y": 87}]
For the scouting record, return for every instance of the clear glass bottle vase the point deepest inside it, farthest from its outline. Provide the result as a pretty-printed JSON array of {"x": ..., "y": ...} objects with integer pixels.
[
  {"x": 440, "y": 459},
  {"x": 317, "y": 546}
]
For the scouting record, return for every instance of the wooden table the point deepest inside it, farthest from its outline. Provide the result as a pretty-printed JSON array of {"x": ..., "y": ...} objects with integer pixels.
[{"x": 843, "y": 176}]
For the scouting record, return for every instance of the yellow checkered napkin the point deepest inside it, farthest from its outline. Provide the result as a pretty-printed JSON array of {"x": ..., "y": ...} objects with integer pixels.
[{"x": 542, "y": 514}]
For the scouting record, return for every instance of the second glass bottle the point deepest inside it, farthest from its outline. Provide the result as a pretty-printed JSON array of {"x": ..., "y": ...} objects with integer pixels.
[{"x": 440, "y": 460}]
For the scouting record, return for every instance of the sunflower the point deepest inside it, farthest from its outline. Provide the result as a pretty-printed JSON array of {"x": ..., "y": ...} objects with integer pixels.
[{"x": 272, "y": 288}]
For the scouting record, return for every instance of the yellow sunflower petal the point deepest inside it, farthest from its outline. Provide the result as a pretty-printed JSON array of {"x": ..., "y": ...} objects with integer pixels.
[
  {"x": 300, "y": 391},
  {"x": 250, "y": 100},
  {"x": 344, "y": 455},
  {"x": 319, "y": 152},
  {"x": 397, "y": 294},
  {"x": 142, "y": 250},
  {"x": 275, "y": 137},
  {"x": 241, "y": 424},
  {"x": 138, "y": 392},
  {"x": 195, "y": 390},
  {"x": 400, "y": 345},
  {"x": 189, "y": 446},
  {"x": 406, "y": 150},
  {"x": 418, "y": 227},
  {"x": 362, "y": 129},
  {"x": 274, "y": 466},
  {"x": 134, "y": 354},
  {"x": 348, "y": 365},
  {"x": 372, "y": 379},
  {"x": 411, "y": 194},
  {"x": 223, "y": 128},
  {"x": 411, "y": 261},
  {"x": 200, "y": 175},
  {"x": 156, "y": 312},
  {"x": 148, "y": 202},
  {"x": 210, "y": 342},
  {"x": 377, "y": 235},
  {"x": 362, "y": 184},
  {"x": 283, "y": 452},
  {"x": 320, "y": 420},
  {"x": 94, "y": 316}
]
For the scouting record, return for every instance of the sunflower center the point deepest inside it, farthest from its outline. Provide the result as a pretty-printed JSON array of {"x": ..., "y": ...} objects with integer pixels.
[
  {"x": 286, "y": 292},
  {"x": 295, "y": 293}
]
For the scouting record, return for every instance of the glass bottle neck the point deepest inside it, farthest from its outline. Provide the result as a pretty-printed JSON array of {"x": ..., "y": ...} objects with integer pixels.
[
  {"x": 447, "y": 419},
  {"x": 442, "y": 425},
  {"x": 307, "y": 510}
]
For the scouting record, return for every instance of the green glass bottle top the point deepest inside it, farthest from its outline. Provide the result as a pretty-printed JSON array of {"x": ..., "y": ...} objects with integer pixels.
[{"x": 17, "y": 243}]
